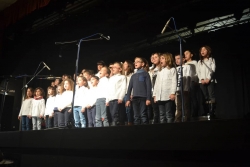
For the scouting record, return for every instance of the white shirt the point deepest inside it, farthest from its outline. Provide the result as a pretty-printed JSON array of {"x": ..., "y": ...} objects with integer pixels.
[
  {"x": 98, "y": 74},
  {"x": 58, "y": 100},
  {"x": 67, "y": 97},
  {"x": 80, "y": 96},
  {"x": 92, "y": 96},
  {"x": 26, "y": 107},
  {"x": 193, "y": 67},
  {"x": 49, "y": 109},
  {"x": 153, "y": 73},
  {"x": 38, "y": 108},
  {"x": 89, "y": 84},
  {"x": 117, "y": 87},
  {"x": 203, "y": 71},
  {"x": 103, "y": 87},
  {"x": 186, "y": 72},
  {"x": 165, "y": 84}
]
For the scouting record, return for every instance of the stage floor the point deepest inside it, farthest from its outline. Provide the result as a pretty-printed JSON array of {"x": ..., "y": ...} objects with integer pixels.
[{"x": 197, "y": 143}]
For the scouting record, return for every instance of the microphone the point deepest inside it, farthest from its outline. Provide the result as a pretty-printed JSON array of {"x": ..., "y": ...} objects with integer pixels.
[
  {"x": 46, "y": 66},
  {"x": 166, "y": 25},
  {"x": 106, "y": 37}
]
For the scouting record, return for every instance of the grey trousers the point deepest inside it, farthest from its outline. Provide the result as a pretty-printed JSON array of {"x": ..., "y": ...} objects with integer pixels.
[
  {"x": 36, "y": 121},
  {"x": 101, "y": 113}
]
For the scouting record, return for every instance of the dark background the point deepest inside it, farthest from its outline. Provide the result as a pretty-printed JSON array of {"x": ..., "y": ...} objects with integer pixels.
[{"x": 31, "y": 39}]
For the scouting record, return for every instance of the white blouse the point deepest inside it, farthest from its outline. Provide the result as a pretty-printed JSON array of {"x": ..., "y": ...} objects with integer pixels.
[
  {"x": 49, "y": 109},
  {"x": 26, "y": 107},
  {"x": 38, "y": 108}
]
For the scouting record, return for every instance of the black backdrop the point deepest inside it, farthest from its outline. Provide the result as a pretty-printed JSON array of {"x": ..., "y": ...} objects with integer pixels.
[{"x": 230, "y": 50}]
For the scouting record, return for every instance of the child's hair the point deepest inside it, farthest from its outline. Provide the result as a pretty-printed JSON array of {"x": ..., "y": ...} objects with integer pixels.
[
  {"x": 86, "y": 81},
  {"x": 209, "y": 52},
  {"x": 89, "y": 72},
  {"x": 119, "y": 63},
  {"x": 31, "y": 89},
  {"x": 108, "y": 70},
  {"x": 53, "y": 91},
  {"x": 158, "y": 54},
  {"x": 41, "y": 89},
  {"x": 169, "y": 60},
  {"x": 146, "y": 65},
  {"x": 96, "y": 77},
  {"x": 130, "y": 68},
  {"x": 71, "y": 83}
]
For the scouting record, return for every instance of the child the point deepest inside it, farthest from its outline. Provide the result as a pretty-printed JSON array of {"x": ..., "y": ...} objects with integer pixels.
[
  {"x": 80, "y": 99},
  {"x": 24, "y": 114},
  {"x": 88, "y": 75},
  {"x": 38, "y": 108},
  {"x": 141, "y": 85},
  {"x": 91, "y": 101},
  {"x": 128, "y": 70},
  {"x": 58, "y": 100},
  {"x": 116, "y": 93},
  {"x": 49, "y": 108},
  {"x": 206, "y": 70},
  {"x": 64, "y": 108},
  {"x": 155, "y": 59},
  {"x": 186, "y": 82},
  {"x": 100, "y": 64},
  {"x": 165, "y": 88},
  {"x": 101, "y": 114},
  {"x": 194, "y": 87}
]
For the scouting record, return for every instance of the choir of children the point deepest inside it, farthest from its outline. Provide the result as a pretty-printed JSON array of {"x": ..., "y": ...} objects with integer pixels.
[{"x": 127, "y": 95}]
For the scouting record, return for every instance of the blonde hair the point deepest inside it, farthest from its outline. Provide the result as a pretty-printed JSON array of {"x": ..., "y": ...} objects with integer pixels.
[
  {"x": 71, "y": 83},
  {"x": 169, "y": 60}
]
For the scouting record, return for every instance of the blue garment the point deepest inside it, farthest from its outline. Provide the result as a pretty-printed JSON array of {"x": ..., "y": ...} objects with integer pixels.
[
  {"x": 25, "y": 123},
  {"x": 141, "y": 84},
  {"x": 79, "y": 117}
]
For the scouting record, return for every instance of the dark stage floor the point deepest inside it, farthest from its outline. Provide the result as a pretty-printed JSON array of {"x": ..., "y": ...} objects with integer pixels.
[{"x": 197, "y": 143}]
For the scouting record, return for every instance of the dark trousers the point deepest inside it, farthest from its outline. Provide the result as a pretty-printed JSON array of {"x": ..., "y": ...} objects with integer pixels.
[
  {"x": 56, "y": 112},
  {"x": 64, "y": 117},
  {"x": 195, "y": 98},
  {"x": 25, "y": 122},
  {"x": 140, "y": 111},
  {"x": 166, "y": 111},
  {"x": 48, "y": 122},
  {"x": 91, "y": 116},
  {"x": 114, "y": 110},
  {"x": 156, "y": 117},
  {"x": 208, "y": 91}
]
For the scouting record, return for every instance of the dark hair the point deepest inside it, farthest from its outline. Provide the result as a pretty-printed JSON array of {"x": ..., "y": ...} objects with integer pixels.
[
  {"x": 53, "y": 91},
  {"x": 101, "y": 63},
  {"x": 146, "y": 64},
  {"x": 130, "y": 68},
  {"x": 31, "y": 89},
  {"x": 89, "y": 72},
  {"x": 209, "y": 52},
  {"x": 96, "y": 77},
  {"x": 108, "y": 70},
  {"x": 41, "y": 89}
]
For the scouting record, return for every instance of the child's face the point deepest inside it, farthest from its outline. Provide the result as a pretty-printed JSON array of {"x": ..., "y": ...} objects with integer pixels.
[
  {"x": 204, "y": 52},
  {"x": 116, "y": 69},
  {"x": 53, "y": 84},
  {"x": 163, "y": 61},
  {"x": 50, "y": 91},
  {"x": 59, "y": 89},
  {"x": 87, "y": 76},
  {"x": 29, "y": 93},
  {"x": 152, "y": 59},
  {"x": 138, "y": 63},
  {"x": 125, "y": 66},
  {"x": 67, "y": 85},
  {"x": 57, "y": 81},
  {"x": 80, "y": 81},
  {"x": 188, "y": 55},
  {"x": 94, "y": 82},
  {"x": 178, "y": 60},
  {"x": 103, "y": 72},
  {"x": 38, "y": 92},
  {"x": 156, "y": 59},
  {"x": 99, "y": 67}
]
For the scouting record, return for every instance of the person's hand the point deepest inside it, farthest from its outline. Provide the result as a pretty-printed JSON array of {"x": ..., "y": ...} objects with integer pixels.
[
  {"x": 148, "y": 102},
  {"x": 83, "y": 110},
  {"x": 154, "y": 99},
  {"x": 50, "y": 116},
  {"x": 127, "y": 104},
  {"x": 172, "y": 97},
  {"x": 203, "y": 82},
  {"x": 29, "y": 116},
  {"x": 107, "y": 104},
  {"x": 88, "y": 107},
  {"x": 102, "y": 119},
  {"x": 119, "y": 101},
  {"x": 69, "y": 110},
  {"x": 207, "y": 81},
  {"x": 41, "y": 116},
  {"x": 19, "y": 117},
  {"x": 59, "y": 109}
]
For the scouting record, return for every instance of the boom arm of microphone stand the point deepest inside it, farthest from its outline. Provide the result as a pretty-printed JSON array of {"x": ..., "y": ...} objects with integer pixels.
[{"x": 77, "y": 41}]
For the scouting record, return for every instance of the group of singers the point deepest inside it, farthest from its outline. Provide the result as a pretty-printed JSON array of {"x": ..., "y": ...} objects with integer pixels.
[{"x": 128, "y": 93}]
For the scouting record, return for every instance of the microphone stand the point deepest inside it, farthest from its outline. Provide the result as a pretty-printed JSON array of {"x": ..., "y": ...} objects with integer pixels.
[
  {"x": 181, "y": 78},
  {"x": 77, "y": 57}
]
